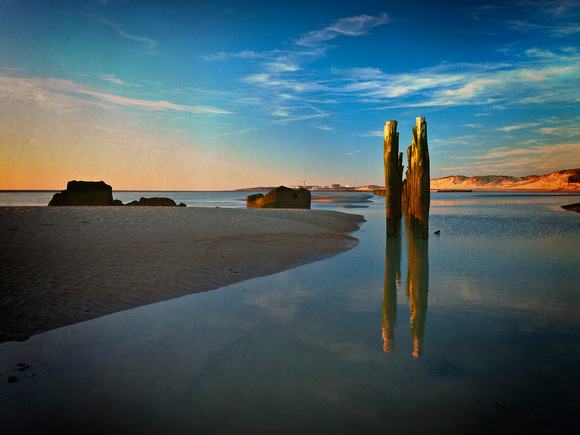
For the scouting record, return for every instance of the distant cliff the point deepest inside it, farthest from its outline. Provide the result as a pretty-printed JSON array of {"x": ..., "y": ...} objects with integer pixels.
[{"x": 568, "y": 179}]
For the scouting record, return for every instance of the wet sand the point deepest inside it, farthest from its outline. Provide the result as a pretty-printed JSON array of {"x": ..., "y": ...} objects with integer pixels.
[{"x": 63, "y": 265}]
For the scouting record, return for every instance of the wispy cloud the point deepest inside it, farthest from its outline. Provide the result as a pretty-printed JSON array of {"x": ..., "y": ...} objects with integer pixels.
[
  {"x": 509, "y": 128},
  {"x": 562, "y": 30},
  {"x": 555, "y": 9},
  {"x": 323, "y": 127},
  {"x": 459, "y": 141},
  {"x": 374, "y": 133},
  {"x": 282, "y": 80},
  {"x": 52, "y": 91},
  {"x": 299, "y": 118},
  {"x": 351, "y": 26},
  {"x": 148, "y": 43},
  {"x": 234, "y": 133},
  {"x": 522, "y": 160},
  {"x": 468, "y": 84},
  {"x": 149, "y": 104},
  {"x": 286, "y": 88},
  {"x": 111, "y": 79},
  {"x": 245, "y": 54}
]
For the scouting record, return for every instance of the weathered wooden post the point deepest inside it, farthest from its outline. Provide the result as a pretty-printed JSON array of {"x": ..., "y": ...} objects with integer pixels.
[
  {"x": 400, "y": 181},
  {"x": 421, "y": 194},
  {"x": 392, "y": 177},
  {"x": 406, "y": 184},
  {"x": 418, "y": 180}
]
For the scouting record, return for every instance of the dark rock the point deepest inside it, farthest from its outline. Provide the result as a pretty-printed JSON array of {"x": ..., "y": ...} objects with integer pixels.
[
  {"x": 92, "y": 193},
  {"x": 21, "y": 366},
  {"x": 134, "y": 203},
  {"x": 117, "y": 202},
  {"x": 352, "y": 206},
  {"x": 281, "y": 197},
  {"x": 157, "y": 202},
  {"x": 572, "y": 207},
  {"x": 12, "y": 379},
  {"x": 182, "y": 204},
  {"x": 58, "y": 199}
]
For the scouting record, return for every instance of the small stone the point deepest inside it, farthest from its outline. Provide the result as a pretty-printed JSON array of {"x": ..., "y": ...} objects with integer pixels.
[
  {"x": 21, "y": 366},
  {"x": 12, "y": 379},
  {"x": 437, "y": 232}
]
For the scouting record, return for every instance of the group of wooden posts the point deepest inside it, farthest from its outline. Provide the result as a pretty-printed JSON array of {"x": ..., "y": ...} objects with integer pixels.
[{"x": 413, "y": 193}]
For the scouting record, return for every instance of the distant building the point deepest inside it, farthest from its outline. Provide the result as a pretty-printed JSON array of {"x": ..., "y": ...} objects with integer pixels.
[{"x": 335, "y": 186}]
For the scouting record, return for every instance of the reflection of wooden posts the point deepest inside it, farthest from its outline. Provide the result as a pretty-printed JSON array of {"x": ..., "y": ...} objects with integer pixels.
[
  {"x": 392, "y": 276},
  {"x": 419, "y": 180},
  {"x": 418, "y": 289},
  {"x": 392, "y": 177}
]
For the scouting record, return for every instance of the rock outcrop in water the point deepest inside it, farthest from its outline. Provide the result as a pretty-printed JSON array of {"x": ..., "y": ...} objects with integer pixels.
[
  {"x": 99, "y": 193},
  {"x": 572, "y": 207},
  {"x": 281, "y": 197},
  {"x": 154, "y": 202},
  {"x": 84, "y": 193}
]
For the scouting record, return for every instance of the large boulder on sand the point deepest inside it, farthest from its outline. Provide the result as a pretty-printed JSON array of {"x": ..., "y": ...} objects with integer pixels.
[
  {"x": 84, "y": 193},
  {"x": 154, "y": 202},
  {"x": 281, "y": 197},
  {"x": 157, "y": 202}
]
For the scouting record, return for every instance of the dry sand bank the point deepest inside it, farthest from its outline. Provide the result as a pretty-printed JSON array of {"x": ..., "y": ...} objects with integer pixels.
[{"x": 62, "y": 265}]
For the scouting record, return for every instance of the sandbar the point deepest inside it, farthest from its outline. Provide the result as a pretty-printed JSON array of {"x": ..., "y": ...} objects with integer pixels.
[{"x": 63, "y": 265}]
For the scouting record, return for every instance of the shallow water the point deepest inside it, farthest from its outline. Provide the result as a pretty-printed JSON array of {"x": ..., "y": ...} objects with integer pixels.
[
  {"x": 475, "y": 330},
  {"x": 227, "y": 199}
]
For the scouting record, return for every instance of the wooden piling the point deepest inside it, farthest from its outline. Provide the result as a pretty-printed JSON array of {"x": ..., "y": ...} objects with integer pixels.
[
  {"x": 392, "y": 177},
  {"x": 422, "y": 181},
  {"x": 414, "y": 192}
]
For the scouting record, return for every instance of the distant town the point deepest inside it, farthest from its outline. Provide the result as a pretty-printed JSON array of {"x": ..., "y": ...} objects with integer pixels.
[{"x": 331, "y": 188}]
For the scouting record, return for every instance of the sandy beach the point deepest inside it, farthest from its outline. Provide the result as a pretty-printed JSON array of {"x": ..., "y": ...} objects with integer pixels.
[{"x": 62, "y": 265}]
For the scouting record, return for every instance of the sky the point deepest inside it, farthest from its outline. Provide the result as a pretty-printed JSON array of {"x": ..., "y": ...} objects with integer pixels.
[{"x": 198, "y": 95}]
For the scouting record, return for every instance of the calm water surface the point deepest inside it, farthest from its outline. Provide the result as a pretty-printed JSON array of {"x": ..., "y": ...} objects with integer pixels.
[{"x": 473, "y": 331}]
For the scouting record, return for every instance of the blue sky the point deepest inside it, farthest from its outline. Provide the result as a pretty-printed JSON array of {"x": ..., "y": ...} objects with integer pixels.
[{"x": 227, "y": 94}]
